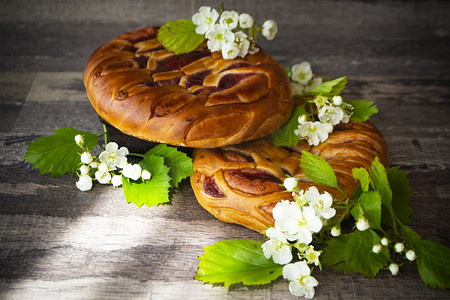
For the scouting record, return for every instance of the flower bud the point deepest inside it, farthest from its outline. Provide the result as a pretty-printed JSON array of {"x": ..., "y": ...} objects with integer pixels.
[
  {"x": 337, "y": 100},
  {"x": 411, "y": 255},
  {"x": 269, "y": 29},
  {"x": 84, "y": 183},
  {"x": 376, "y": 248},
  {"x": 84, "y": 170},
  {"x": 336, "y": 231},
  {"x": 399, "y": 247},
  {"x": 362, "y": 224},
  {"x": 79, "y": 139},
  {"x": 394, "y": 269},
  {"x": 116, "y": 180},
  {"x": 290, "y": 183},
  {"x": 146, "y": 175},
  {"x": 384, "y": 241},
  {"x": 86, "y": 157}
]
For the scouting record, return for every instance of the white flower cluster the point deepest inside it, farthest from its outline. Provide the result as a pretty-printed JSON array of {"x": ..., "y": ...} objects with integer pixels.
[
  {"x": 228, "y": 34},
  {"x": 330, "y": 112},
  {"x": 295, "y": 222},
  {"x": 104, "y": 168}
]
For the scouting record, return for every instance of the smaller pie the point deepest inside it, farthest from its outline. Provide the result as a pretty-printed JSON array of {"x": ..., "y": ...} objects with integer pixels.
[
  {"x": 243, "y": 183},
  {"x": 197, "y": 99}
]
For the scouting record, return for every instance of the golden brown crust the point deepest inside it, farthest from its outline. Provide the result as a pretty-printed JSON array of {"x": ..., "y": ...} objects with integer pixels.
[
  {"x": 196, "y": 99},
  {"x": 242, "y": 183}
]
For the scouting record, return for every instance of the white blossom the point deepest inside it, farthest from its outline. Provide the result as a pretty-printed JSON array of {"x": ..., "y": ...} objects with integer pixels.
[
  {"x": 399, "y": 247},
  {"x": 297, "y": 223},
  {"x": 103, "y": 167},
  {"x": 86, "y": 157},
  {"x": 113, "y": 156},
  {"x": 336, "y": 231},
  {"x": 362, "y": 224},
  {"x": 331, "y": 114},
  {"x": 132, "y": 171},
  {"x": 298, "y": 89},
  {"x": 205, "y": 18},
  {"x": 393, "y": 267},
  {"x": 314, "y": 132},
  {"x": 320, "y": 202},
  {"x": 218, "y": 36},
  {"x": 245, "y": 21},
  {"x": 230, "y": 50},
  {"x": 229, "y": 19},
  {"x": 242, "y": 43},
  {"x": 116, "y": 180},
  {"x": 312, "y": 256},
  {"x": 277, "y": 247},
  {"x": 316, "y": 81},
  {"x": 269, "y": 29},
  {"x": 146, "y": 175},
  {"x": 321, "y": 101},
  {"x": 103, "y": 177},
  {"x": 84, "y": 183},
  {"x": 302, "y": 73},
  {"x": 290, "y": 184},
  {"x": 79, "y": 140},
  {"x": 385, "y": 241},
  {"x": 84, "y": 170},
  {"x": 301, "y": 282},
  {"x": 299, "y": 197},
  {"x": 411, "y": 255},
  {"x": 376, "y": 248}
]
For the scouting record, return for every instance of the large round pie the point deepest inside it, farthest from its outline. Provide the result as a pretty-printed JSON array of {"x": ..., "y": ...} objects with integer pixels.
[
  {"x": 196, "y": 99},
  {"x": 242, "y": 183}
]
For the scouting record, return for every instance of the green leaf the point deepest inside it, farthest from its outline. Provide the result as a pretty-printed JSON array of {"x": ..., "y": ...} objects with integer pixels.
[
  {"x": 401, "y": 194},
  {"x": 150, "y": 192},
  {"x": 380, "y": 181},
  {"x": 362, "y": 110},
  {"x": 285, "y": 135},
  {"x": 353, "y": 253},
  {"x": 409, "y": 235},
  {"x": 58, "y": 154},
  {"x": 180, "y": 164},
  {"x": 179, "y": 36},
  {"x": 363, "y": 176},
  {"x": 231, "y": 262},
  {"x": 330, "y": 88},
  {"x": 318, "y": 170},
  {"x": 371, "y": 205},
  {"x": 433, "y": 263}
]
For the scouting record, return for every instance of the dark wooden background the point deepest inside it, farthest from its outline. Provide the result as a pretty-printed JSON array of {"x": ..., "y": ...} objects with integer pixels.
[{"x": 57, "y": 242}]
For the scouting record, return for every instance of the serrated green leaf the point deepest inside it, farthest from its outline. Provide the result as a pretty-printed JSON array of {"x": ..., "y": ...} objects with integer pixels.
[
  {"x": 330, "y": 88},
  {"x": 150, "y": 192},
  {"x": 362, "y": 110},
  {"x": 371, "y": 205},
  {"x": 241, "y": 261},
  {"x": 285, "y": 135},
  {"x": 363, "y": 176},
  {"x": 58, "y": 154},
  {"x": 380, "y": 181},
  {"x": 409, "y": 235},
  {"x": 318, "y": 170},
  {"x": 179, "y": 36},
  {"x": 433, "y": 263},
  {"x": 353, "y": 253},
  {"x": 180, "y": 164},
  {"x": 401, "y": 194}
]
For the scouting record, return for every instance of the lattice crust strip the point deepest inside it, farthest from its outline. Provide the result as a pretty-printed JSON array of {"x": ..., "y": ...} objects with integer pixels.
[{"x": 196, "y": 99}]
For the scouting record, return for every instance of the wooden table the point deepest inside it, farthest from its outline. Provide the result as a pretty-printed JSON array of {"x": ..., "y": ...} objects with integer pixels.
[{"x": 58, "y": 242}]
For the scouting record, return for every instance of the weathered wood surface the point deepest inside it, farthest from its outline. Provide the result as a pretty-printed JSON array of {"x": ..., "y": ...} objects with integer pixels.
[{"x": 57, "y": 242}]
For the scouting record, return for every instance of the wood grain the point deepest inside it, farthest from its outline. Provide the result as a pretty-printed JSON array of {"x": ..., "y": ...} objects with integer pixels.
[{"x": 59, "y": 243}]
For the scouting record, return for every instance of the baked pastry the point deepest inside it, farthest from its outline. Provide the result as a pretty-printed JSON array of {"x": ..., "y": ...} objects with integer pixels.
[
  {"x": 197, "y": 99},
  {"x": 243, "y": 183}
]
